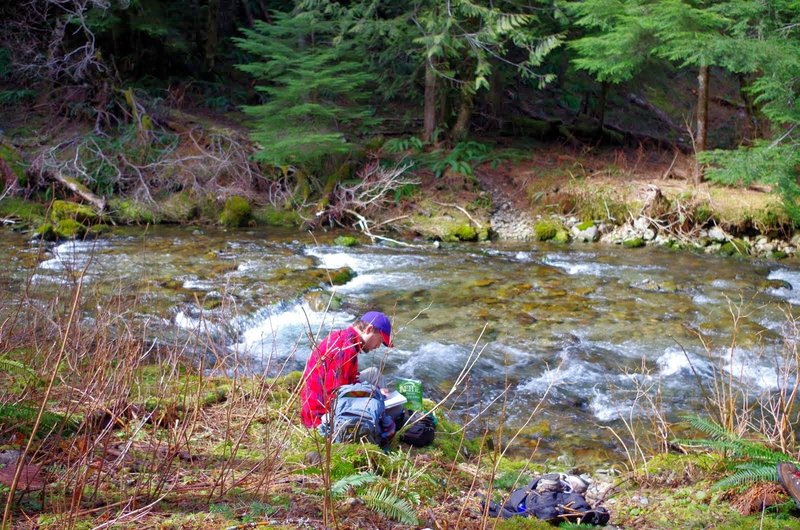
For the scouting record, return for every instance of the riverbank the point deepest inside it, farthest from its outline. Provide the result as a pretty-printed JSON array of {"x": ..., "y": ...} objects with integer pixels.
[{"x": 174, "y": 431}]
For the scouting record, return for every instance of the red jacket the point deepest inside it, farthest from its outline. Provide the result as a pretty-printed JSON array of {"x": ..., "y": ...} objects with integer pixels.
[{"x": 333, "y": 363}]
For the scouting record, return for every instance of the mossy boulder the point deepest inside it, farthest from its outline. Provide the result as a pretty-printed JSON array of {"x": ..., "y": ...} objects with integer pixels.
[
  {"x": 29, "y": 213},
  {"x": 634, "y": 242},
  {"x": 66, "y": 210},
  {"x": 323, "y": 300},
  {"x": 342, "y": 276},
  {"x": 735, "y": 247},
  {"x": 178, "y": 208},
  {"x": 345, "y": 241},
  {"x": 64, "y": 229},
  {"x": 546, "y": 229},
  {"x": 69, "y": 229},
  {"x": 462, "y": 232},
  {"x": 562, "y": 236},
  {"x": 236, "y": 212},
  {"x": 46, "y": 231},
  {"x": 272, "y": 216},
  {"x": 128, "y": 211}
]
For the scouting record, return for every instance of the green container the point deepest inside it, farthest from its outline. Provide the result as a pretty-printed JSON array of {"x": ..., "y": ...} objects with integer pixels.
[{"x": 412, "y": 390}]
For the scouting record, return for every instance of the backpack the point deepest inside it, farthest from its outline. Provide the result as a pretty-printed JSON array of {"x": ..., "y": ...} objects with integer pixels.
[
  {"x": 421, "y": 432},
  {"x": 555, "y": 504},
  {"x": 358, "y": 414}
]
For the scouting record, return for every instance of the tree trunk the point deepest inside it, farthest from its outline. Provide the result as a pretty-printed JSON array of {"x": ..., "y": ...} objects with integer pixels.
[
  {"x": 212, "y": 33},
  {"x": 754, "y": 115},
  {"x": 702, "y": 118},
  {"x": 429, "y": 110},
  {"x": 461, "y": 127},
  {"x": 601, "y": 104}
]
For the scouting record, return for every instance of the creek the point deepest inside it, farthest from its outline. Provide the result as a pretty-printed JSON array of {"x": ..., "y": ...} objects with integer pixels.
[{"x": 590, "y": 325}]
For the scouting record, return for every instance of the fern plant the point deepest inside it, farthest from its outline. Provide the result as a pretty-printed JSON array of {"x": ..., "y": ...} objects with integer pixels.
[
  {"x": 385, "y": 502},
  {"x": 382, "y": 500},
  {"x": 16, "y": 368},
  {"x": 753, "y": 461}
]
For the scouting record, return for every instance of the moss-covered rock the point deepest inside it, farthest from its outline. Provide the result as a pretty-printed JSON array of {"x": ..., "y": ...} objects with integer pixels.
[
  {"x": 778, "y": 254},
  {"x": 634, "y": 242},
  {"x": 462, "y": 232},
  {"x": 323, "y": 301},
  {"x": 272, "y": 216},
  {"x": 345, "y": 241},
  {"x": 127, "y": 211},
  {"x": 178, "y": 208},
  {"x": 585, "y": 225},
  {"x": 546, "y": 229},
  {"x": 562, "y": 236},
  {"x": 29, "y": 213},
  {"x": 66, "y": 210},
  {"x": 237, "y": 212},
  {"x": 46, "y": 231},
  {"x": 69, "y": 229},
  {"x": 735, "y": 247}
]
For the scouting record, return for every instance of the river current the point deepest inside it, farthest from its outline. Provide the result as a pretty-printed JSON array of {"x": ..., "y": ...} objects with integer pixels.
[{"x": 586, "y": 324}]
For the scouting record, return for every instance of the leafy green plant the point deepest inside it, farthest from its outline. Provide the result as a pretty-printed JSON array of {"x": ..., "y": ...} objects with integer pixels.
[
  {"x": 385, "y": 502},
  {"x": 399, "y": 145},
  {"x": 752, "y": 461},
  {"x": 462, "y": 158},
  {"x": 344, "y": 484},
  {"x": 382, "y": 500},
  {"x": 15, "y": 97}
]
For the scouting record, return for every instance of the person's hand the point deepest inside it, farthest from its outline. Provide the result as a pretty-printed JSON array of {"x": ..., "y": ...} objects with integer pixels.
[{"x": 385, "y": 391}]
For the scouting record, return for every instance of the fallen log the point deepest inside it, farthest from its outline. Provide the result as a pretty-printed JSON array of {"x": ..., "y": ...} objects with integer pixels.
[{"x": 77, "y": 188}]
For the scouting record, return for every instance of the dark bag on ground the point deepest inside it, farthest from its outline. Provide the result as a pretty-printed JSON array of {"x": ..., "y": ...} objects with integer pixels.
[
  {"x": 557, "y": 505},
  {"x": 421, "y": 432},
  {"x": 358, "y": 414}
]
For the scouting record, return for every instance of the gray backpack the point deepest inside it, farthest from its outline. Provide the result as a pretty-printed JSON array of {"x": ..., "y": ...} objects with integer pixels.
[{"x": 358, "y": 413}]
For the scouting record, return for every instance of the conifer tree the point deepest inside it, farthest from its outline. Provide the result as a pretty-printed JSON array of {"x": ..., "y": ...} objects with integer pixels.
[{"x": 314, "y": 87}]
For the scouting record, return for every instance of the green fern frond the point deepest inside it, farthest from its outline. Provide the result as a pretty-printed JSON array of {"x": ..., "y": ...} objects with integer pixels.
[
  {"x": 16, "y": 368},
  {"x": 749, "y": 475},
  {"x": 386, "y": 503},
  {"x": 341, "y": 486},
  {"x": 710, "y": 428}
]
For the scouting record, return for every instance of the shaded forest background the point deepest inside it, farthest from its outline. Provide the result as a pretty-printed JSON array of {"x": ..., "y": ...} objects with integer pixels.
[{"x": 302, "y": 94}]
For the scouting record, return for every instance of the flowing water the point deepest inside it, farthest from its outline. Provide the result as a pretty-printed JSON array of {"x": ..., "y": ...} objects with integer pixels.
[{"x": 586, "y": 324}]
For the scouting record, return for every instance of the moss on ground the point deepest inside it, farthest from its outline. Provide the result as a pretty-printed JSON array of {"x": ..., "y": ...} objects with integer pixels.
[
  {"x": 27, "y": 212},
  {"x": 129, "y": 211},
  {"x": 271, "y": 216}
]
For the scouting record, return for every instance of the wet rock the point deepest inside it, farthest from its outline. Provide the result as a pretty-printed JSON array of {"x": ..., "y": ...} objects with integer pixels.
[
  {"x": 718, "y": 235},
  {"x": 586, "y": 232},
  {"x": 634, "y": 242}
]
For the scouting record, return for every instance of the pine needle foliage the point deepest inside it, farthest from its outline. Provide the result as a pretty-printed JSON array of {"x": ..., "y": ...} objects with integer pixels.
[
  {"x": 315, "y": 88},
  {"x": 385, "y": 502},
  {"x": 752, "y": 461}
]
